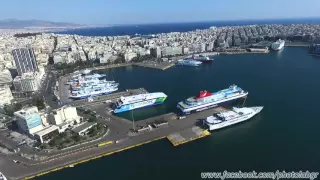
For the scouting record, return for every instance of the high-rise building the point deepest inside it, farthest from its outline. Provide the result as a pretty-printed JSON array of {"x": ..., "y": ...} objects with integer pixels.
[
  {"x": 29, "y": 120},
  {"x": 25, "y": 60}
]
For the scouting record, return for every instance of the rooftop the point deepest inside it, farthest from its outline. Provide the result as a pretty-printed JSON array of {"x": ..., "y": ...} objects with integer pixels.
[{"x": 83, "y": 127}]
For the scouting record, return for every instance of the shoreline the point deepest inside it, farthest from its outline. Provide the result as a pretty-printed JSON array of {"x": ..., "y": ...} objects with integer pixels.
[{"x": 86, "y": 159}]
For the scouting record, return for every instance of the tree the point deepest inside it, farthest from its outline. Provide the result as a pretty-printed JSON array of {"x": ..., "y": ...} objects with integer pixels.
[
  {"x": 76, "y": 138},
  {"x": 44, "y": 146},
  {"x": 92, "y": 119},
  {"x": 39, "y": 102},
  {"x": 93, "y": 131},
  {"x": 99, "y": 126},
  {"x": 56, "y": 141}
]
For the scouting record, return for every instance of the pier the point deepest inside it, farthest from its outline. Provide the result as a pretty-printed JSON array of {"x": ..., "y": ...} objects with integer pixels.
[{"x": 187, "y": 135}]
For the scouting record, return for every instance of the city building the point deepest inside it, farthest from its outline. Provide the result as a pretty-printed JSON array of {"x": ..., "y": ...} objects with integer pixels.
[
  {"x": 29, "y": 120},
  {"x": 47, "y": 133},
  {"x": 64, "y": 117},
  {"x": 155, "y": 52},
  {"x": 83, "y": 128},
  {"x": 6, "y": 95},
  {"x": 5, "y": 77},
  {"x": 28, "y": 82},
  {"x": 25, "y": 60}
]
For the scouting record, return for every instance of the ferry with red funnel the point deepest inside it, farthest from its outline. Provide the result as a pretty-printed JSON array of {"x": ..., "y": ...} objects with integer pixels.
[{"x": 206, "y": 100}]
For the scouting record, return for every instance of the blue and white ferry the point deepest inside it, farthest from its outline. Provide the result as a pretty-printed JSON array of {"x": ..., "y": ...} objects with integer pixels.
[
  {"x": 206, "y": 100},
  {"x": 139, "y": 101}
]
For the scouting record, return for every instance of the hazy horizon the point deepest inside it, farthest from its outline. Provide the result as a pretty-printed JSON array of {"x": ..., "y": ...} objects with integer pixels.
[{"x": 107, "y": 12}]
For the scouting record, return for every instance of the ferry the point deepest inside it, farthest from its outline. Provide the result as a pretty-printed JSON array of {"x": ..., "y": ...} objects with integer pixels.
[
  {"x": 206, "y": 100},
  {"x": 202, "y": 58},
  {"x": 85, "y": 86},
  {"x": 189, "y": 62},
  {"x": 2, "y": 177},
  {"x": 92, "y": 92},
  {"x": 278, "y": 45},
  {"x": 228, "y": 118},
  {"x": 138, "y": 101}
]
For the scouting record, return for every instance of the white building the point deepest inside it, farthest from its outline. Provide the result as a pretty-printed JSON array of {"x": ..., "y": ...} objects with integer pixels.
[
  {"x": 65, "y": 117},
  {"x": 29, "y": 120},
  {"x": 28, "y": 82},
  {"x": 6, "y": 95},
  {"x": 129, "y": 56},
  {"x": 5, "y": 76}
]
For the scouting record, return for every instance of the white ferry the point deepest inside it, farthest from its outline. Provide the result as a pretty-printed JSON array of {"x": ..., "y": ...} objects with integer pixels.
[{"x": 236, "y": 115}]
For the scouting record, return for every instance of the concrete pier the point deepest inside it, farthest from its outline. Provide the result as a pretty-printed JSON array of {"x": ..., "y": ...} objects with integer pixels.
[{"x": 187, "y": 135}]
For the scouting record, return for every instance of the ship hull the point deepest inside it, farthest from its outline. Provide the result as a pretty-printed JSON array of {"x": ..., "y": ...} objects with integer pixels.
[
  {"x": 143, "y": 104},
  {"x": 204, "y": 61}
]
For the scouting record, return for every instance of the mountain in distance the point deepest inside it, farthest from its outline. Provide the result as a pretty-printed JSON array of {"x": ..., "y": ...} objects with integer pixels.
[{"x": 19, "y": 24}]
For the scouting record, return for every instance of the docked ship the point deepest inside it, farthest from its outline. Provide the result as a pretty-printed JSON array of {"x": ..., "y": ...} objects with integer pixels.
[
  {"x": 91, "y": 85},
  {"x": 206, "y": 100},
  {"x": 278, "y": 45},
  {"x": 92, "y": 91},
  {"x": 189, "y": 62},
  {"x": 228, "y": 118},
  {"x": 202, "y": 58},
  {"x": 138, "y": 101}
]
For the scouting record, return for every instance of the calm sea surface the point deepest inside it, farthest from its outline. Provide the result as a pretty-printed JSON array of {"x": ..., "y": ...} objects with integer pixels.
[{"x": 285, "y": 136}]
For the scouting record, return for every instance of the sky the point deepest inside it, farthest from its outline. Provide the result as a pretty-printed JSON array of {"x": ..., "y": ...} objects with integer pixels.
[{"x": 104, "y": 12}]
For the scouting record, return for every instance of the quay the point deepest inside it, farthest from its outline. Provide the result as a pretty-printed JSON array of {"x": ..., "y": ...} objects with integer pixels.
[
  {"x": 154, "y": 65},
  {"x": 187, "y": 135},
  {"x": 178, "y": 131}
]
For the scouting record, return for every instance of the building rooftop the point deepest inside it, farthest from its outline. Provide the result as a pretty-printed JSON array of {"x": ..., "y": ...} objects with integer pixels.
[
  {"x": 47, "y": 130},
  {"x": 27, "y": 111},
  {"x": 83, "y": 127}
]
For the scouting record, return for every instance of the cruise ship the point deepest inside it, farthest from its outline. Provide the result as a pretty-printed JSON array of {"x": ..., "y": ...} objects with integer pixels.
[
  {"x": 138, "y": 101},
  {"x": 206, "y": 100},
  {"x": 189, "y": 62},
  {"x": 228, "y": 118},
  {"x": 278, "y": 45}
]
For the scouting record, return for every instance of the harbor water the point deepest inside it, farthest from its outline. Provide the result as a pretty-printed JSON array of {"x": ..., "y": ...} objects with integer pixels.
[{"x": 284, "y": 136}]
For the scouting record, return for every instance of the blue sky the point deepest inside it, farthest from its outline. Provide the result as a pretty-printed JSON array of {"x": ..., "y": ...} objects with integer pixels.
[{"x": 149, "y": 11}]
